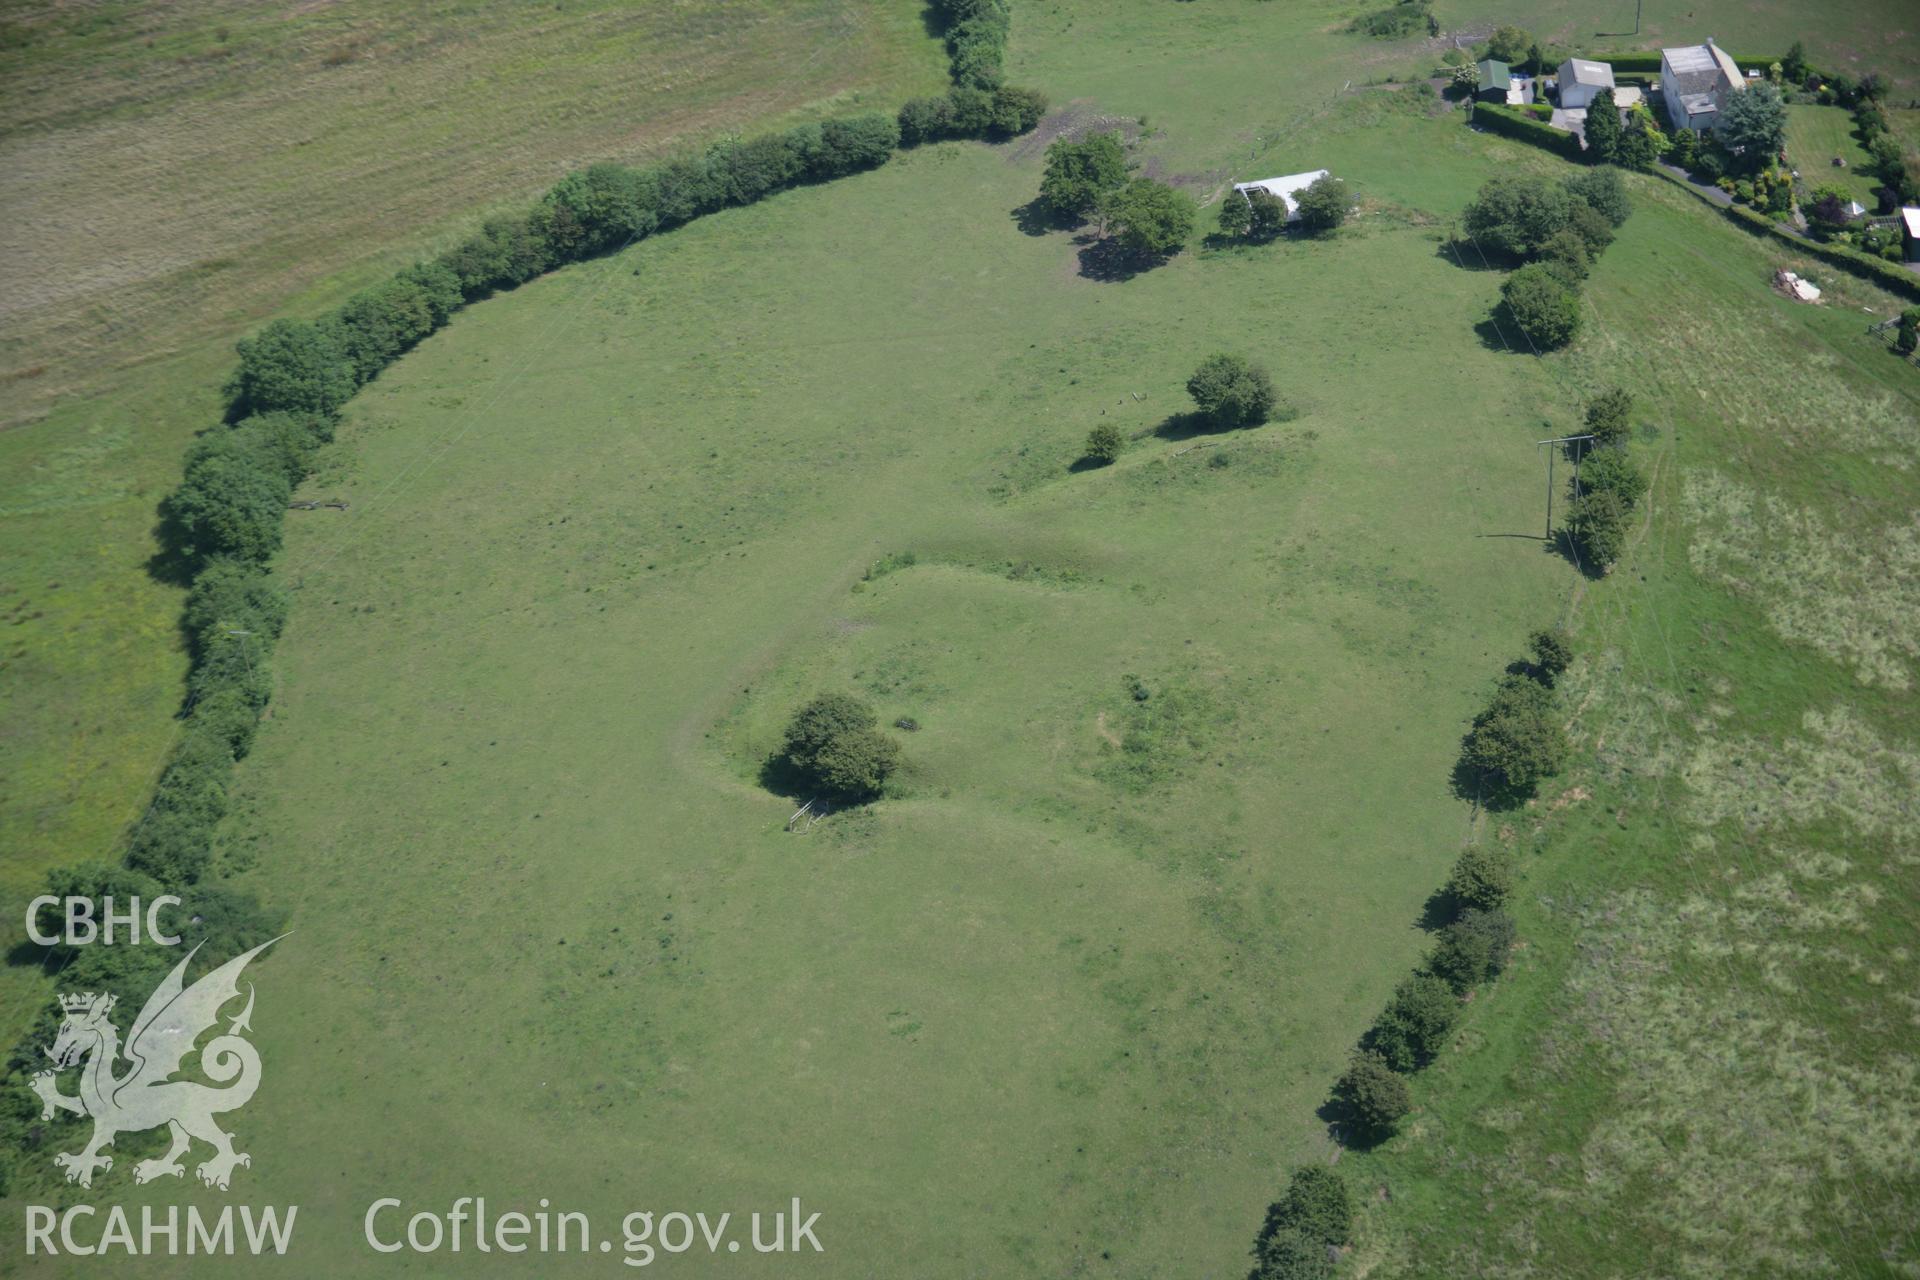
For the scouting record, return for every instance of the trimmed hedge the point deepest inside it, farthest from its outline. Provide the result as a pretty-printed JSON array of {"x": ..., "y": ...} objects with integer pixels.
[{"x": 1519, "y": 125}]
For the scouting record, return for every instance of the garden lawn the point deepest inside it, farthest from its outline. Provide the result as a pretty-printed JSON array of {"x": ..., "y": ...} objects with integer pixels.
[{"x": 1816, "y": 135}]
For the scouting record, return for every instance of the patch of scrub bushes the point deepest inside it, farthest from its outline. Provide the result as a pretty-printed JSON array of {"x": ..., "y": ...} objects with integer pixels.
[
  {"x": 223, "y": 524},
  {"x": 1555, "y": 231},
  {"x": 1306, "y": 1228},
  {"x": 1398, "y": 21}
]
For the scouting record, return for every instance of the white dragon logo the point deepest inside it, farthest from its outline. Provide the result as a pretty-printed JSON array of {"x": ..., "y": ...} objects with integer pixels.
[{"x": 173, "y": 1018}]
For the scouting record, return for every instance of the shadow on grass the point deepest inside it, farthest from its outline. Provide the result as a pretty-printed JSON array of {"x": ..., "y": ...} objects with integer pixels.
[
  {"x": 1087, "y": 462},
  {"x": 1038, "y": 218},
  {"x": 1564, "y": 546},
  {"x": 1438, "y": 911},
  {"x": 172, "y": 564},
  {"x": 1475, "y": 786},
  {"x": 778, "y": 775},
  {"x": 1496, "y": 336},
  {"x": 1344, "y": 1126},
  {"x": 1107, "y": 260},
  {"x": 1185, "y": 426},
  {"x": 1462, "y": 254}
]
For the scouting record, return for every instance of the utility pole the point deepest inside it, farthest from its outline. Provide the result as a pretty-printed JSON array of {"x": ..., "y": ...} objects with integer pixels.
[{"x": 1576, "y": 474}]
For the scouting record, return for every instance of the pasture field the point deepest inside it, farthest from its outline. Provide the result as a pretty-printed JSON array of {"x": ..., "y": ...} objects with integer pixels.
[
  {"x": 1705, "y": 1043},
  {"x": 179, "y": 174},
  {"x": 606, "y": 534},
  {"x": 1049, "y": 1011}
]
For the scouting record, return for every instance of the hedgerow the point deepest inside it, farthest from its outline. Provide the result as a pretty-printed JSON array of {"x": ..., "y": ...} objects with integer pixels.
[{"x": 223, "y": 523}]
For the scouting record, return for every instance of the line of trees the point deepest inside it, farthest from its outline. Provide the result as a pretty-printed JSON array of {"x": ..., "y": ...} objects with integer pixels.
[
  {"x": 1513, "y": 744},
  {"x": 222, "y": 525},
  {"x": 1555, "y": 230},
  {"x": 1607, "y": 485}
]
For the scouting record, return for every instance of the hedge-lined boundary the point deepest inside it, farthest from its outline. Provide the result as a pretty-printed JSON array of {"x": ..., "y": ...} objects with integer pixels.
[
  {"x": 224, "y": 523},
  {"x": 1890, "y": 276},
  {"x": 1518, "y": 125}
]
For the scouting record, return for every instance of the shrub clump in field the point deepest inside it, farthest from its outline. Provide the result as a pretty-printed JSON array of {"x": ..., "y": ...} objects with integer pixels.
[
  {"x": 832, "y": 744},
  {"x": 1473, "y": 948},
  {"x": 1324, "y": 206},
  {"x": 1552, "y": 652},
  {"x": 1079, "y": 175},
  {"x": 1412, "y": 1028},
  {"x": 1316, "y": 1204},
  {"x": 1610, "y": 417},
  {"x": 1544, "y": 305},
  {"x": 1150, "y": 219},
  {"x": 1482, "y": 878},
  {"x": 1376, "y": 1096},
  {"x": 1517, "y": 740},
  {"x": 1546, "y": 226},
  {"x": 1291, "y": 1255},
  {"x": 1396, "y": 22},
  {"x": 1231, "y": 391},
  {"x": 1104, "y": 443},
  {"x": 1609, "y": 485},
  {"x": 1253, "y": 215}
]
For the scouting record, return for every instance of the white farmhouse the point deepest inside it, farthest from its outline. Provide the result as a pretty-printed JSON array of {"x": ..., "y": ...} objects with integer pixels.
[
  {"x": 1283, "y": 189},
  {"x": 1580, "y": 80},
  {"x": 1695, "y": 82}
]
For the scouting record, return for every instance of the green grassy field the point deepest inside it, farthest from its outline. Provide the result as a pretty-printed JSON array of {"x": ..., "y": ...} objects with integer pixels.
[
  {"x": 1039, "y": 1014},
  {"x": 1031, "y": 990},
  {"x": 1705, "y": 1042},
  {"x": 180, "y": 174}
]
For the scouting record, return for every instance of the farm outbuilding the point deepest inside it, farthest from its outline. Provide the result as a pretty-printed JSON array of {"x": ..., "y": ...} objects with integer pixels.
[
  {"x": 1910, "y": 232},
  {"x": 1580, "y": 80},
  {"x": 1496, "y": 80},
  {"x": 1284, "y": 189}
]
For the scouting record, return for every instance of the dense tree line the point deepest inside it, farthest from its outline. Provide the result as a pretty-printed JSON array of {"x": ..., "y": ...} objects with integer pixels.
[{"x": 1606, "y": 486}]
